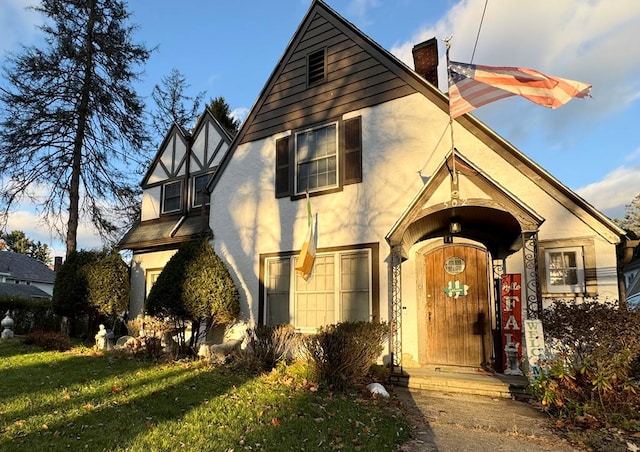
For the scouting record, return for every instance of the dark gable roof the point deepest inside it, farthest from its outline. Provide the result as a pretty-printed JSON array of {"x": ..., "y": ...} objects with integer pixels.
[
  {"x": 22, "y": 291},
  {"x": 158, "y": 233},
  {"x": 24, "y": 268}
]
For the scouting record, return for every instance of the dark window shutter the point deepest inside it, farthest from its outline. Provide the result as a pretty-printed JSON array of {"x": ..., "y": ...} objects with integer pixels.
[
  {"x": 283, "y": 165},
  {"x": 352, "y": 151}
]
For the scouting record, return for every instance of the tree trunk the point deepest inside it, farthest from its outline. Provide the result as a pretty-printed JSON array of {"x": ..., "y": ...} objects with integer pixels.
[{"x": 78, "y": 142}]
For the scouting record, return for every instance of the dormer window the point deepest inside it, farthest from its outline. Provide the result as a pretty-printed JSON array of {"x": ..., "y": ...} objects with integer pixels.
[
  {"x": 199, "y": 196},
  {"x": 316, "y": 68},
  {"x": 172, "y": 197}
]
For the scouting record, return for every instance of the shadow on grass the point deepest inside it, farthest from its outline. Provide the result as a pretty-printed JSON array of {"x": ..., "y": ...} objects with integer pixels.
[
  {"x": 106, "y": 411},
  {"x": 112, "y": 402}
]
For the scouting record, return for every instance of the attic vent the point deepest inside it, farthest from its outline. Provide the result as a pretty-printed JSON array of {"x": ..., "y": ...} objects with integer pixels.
[{"x": 315, "y": 67}]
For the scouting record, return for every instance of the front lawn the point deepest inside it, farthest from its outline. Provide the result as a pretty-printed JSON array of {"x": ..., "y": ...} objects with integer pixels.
[{"x": 84, "y": 400}]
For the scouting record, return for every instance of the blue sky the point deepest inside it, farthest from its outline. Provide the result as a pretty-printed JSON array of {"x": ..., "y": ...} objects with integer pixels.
[{"x": 230, "y": 49}]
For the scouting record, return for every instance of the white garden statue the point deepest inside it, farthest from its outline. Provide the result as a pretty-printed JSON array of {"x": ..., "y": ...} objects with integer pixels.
[{"x": 7, "y": 325}]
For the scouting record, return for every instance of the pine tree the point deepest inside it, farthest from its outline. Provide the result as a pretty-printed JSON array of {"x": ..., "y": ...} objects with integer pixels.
[
  {"x": 631, "y": 220},
  {"x": 18, "y": 242},
  {"x": 170, "y": 99},
  {"x": 71, "y": 124},
  {"x": 222, "y": 112}
]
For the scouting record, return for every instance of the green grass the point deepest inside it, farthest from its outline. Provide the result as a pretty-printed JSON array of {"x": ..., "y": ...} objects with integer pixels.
[{"x": 80, "y": 400}]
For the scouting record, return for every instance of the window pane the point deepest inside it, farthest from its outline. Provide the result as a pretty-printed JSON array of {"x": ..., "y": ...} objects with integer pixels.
[
  {"x": 354, "y": 307},
  {"x": 316, "y": 155},
  {"x": 172, "y": 196},
  {"x": 563, "y": 269},
  {"x": 315, "y": 298},
  {"x": 277, "y": 286},
  {"x": 354, "y": 287},
  {"x": 199, "y": 184}
]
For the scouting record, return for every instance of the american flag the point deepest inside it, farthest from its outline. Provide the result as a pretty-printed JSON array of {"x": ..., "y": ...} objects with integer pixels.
[{"x": 472, "y": 86}]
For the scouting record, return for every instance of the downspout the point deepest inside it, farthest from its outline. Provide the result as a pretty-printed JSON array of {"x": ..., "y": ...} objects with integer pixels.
[{"x": 625, "y": 251}]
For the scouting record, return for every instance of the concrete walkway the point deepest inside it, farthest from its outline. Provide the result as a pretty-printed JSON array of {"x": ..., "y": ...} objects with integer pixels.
[{"x": 444, "y": 421}]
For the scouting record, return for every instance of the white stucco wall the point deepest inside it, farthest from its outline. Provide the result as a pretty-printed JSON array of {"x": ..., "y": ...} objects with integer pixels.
[
  {"x": 402, "y": 140},
  {"x": 140, "y": 263},
  {"x": 248, "y": 220}
]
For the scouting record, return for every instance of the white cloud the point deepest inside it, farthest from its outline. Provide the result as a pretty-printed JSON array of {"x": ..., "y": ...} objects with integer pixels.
[
  {"x": 240, "y": 113},
  {"x": 36, "y": 229},
  {"x": 614, "y": 191},
  {"x": 359, "y": 10},
  {"x": 587, "y": 41}
]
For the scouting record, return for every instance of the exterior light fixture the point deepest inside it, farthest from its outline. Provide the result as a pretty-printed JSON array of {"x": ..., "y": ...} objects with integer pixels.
[{"x": 455, "y": 227}]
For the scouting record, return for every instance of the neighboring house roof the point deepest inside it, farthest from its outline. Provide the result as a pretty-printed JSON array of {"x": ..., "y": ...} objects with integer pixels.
[
  {"x": 406, "y": 81},
  {"x": 22, "y": 290},
  {"x": 164, "y": 232},
  {"x": 25, "y": 268}
]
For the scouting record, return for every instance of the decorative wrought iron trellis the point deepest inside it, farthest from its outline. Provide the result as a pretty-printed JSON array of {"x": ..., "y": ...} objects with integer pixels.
[
  {"x": 531, "y": 277},
  {"x": 396, "y": 307}
]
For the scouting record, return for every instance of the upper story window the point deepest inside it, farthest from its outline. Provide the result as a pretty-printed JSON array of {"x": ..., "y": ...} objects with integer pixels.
[
  {"x": 172, "y": 197},
  {"x": 199, "y": 184},
  {"x": 316, "y": 67},
  {"x": 321, "y": 158},
  {"x": 317, "y": 158}
]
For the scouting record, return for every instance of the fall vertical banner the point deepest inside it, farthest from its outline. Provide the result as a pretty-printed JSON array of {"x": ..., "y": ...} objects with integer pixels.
[{"x": 511, "y": 307}]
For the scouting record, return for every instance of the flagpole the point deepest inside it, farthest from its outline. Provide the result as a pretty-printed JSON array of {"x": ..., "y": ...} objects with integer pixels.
[{"x": 454, "y": 176}]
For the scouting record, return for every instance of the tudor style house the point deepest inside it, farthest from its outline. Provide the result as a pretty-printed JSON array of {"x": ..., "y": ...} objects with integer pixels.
[
  {"x": 175, "y": 206},
  {"x": 406, "y": 231}
]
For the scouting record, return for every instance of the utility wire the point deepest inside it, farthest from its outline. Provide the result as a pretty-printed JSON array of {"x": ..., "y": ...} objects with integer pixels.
[{"x": 479, "y": 28}]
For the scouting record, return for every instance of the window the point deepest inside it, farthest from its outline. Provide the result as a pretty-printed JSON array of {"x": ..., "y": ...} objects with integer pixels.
[
  {"x": 199, "y": 185},
  {"x": 564, "y": 270},
  {"x": 151, "y": 278},
  {"x": 339, "y": 289},
  {"x": 172, "y": 197},
  {"x": 567, "y": 267},
  {"x": 321, "y": 158},
  {"x": 317, "y": 158},
  {"x": 316, "y": 67}
]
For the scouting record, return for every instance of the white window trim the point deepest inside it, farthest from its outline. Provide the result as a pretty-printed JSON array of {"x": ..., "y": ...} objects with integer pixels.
[
  {"x": 578, "y": 288},
  {"x": 337, "y": 289},
  {"x": 164, "y": 193},
  {"x": 337, "y": 154}
]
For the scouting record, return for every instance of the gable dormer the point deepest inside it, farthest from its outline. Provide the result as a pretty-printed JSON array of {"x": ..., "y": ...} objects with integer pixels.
[
  {"x": 210, "y": 143},
  {"x": 177, "y": 177}
]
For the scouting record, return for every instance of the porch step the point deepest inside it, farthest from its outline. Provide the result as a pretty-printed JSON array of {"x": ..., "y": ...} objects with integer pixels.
[{"x": 481, "y": 383}]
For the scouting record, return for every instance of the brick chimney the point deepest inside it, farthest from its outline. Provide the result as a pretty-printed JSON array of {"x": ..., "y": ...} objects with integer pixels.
[
  {"x": 57, "y": 263},
  {"x": 425, "y": 60}
]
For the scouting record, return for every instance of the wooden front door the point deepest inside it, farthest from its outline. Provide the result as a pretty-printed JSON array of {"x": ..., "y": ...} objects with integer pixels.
[{"x": 458, "y": 325}]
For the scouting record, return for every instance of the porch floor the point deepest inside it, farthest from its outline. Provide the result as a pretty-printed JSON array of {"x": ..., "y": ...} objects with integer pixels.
[{"x": 467, "y": 381}]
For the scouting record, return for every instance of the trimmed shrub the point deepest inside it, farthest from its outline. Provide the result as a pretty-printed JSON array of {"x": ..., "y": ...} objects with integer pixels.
[
  {"x": 195, "y": 286},
  {"x": 343, "y": 354},
  {"x": 48, "y": 340},
  {"x": 594, "y": 371},
  {"x": 108, "y": 285},
  {"x": 30, "y": 314}
]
